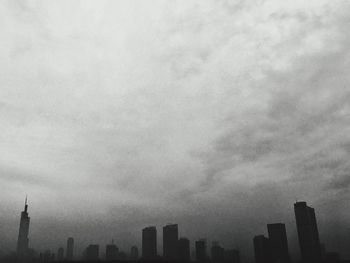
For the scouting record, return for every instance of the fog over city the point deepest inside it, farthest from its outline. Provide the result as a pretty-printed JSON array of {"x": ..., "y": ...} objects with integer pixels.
[{"x": 216, "y": 115}]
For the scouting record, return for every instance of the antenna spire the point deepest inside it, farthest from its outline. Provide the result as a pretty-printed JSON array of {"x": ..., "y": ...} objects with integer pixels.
[{"x": 26, "y": 204}]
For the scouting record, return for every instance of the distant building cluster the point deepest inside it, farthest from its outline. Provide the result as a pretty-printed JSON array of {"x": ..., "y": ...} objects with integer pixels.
[{"x": 270, "y": 249}]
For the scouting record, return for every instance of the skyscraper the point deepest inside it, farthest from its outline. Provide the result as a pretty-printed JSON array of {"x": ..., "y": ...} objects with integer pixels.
[
  {"x": 60, "y": 254},
  {"x": 262, "y": 250},
  {"x": 278, "y": 242},
  {"x": 70, "y": 249},
  {"x": 232, "y": 256},
  {"x": 170, "y": 238},
  {"x": 309, "y": 241},
  {"x": 47, "y": 256},
  {"x": 217, "y": 253},
  {"x": 92, "y": 253},
  {"x": 201, "y": 250},
  {"x": 183, "y": 249},
  {"x": 134, "y": 253},
  {"x": 112, "y": 252},
  {"x": 149, "y": 242},
  {"x": 23, "y": 241}
]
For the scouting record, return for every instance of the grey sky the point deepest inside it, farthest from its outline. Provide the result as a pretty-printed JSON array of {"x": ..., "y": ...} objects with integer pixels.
[{"x": 121, "y": 114}]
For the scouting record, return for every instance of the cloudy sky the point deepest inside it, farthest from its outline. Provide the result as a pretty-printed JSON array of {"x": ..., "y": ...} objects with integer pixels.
[{"x": 213, "y": 114}]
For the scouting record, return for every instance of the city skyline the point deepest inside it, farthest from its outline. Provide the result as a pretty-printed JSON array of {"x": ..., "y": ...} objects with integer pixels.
[
  {"x": 215, "y": 115},
  {"x": 270, "y": 249}
]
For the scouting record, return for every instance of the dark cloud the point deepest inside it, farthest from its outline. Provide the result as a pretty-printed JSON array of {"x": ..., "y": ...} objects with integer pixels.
[{"x": 339, "y": 182}]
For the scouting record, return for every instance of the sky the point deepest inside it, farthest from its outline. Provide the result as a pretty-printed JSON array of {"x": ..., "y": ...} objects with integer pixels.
[{"x": 217, "y": 115}]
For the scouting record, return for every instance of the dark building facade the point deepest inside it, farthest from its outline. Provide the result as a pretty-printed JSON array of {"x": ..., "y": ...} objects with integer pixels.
[
  {"x": 232, "y": 256},
  {"x": 201, "y": 250},
  {"x": 47, "y": 256},
  {"x": 112, "y": 252},
  {"x": 183, "y": 249},
  {"x": 309, "y": 242},
  {"x": 262, "y": 251},
  {"x": 92, "y": 253},
  {"x": 60, "y": 254},
  {"x": 278, "y": 242},
  {"x": 170, "y": 239},
  {"x": 23, "y": 240},
  {"x": 70, "y": 248},
  {"x": 217, "y": 253},
  {"x": 149, "y": 242},
  {"x": 134, "y": 253}
]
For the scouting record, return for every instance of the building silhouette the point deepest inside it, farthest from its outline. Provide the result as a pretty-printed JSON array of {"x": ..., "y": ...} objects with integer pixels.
[
  {"x": 278, "y": 242},
  {"x": 323, "y": 250},
  {"x": 170, "y": 239},
  {"x": 60, "y": 254},
  {"x": 232, "y": 256},
  {"x": 262, "y": 251},
  {"x": 134, "y": 253},
  {"x": 217, "y": 252},
  {"x": 331, "y": 257},
  {"x": 308, "y": 236},
  {"x": 149, "y": 242},
  {"x": 112, "y": 252},
  {"x": 23, "y": 240},
  {"x": 47, "y": 256},
  {"x": 92, "y": 253},
  {"x": 201, "y": 250},
  {"x": 70, "y": 248},
  {"x": 183, "y": 249}
]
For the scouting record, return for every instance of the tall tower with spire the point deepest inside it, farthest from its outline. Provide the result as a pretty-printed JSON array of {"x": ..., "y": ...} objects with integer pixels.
[{"x": 23, "y": 241}]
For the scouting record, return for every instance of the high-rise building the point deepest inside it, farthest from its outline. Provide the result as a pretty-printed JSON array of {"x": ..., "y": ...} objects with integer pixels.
[
  {"x": 278, "y": 242},
  {"x": 309, "y": 241},
  {"x": 23, "y": 241},
  {"x": 232, "y": 256},
  {"x": 331, "y": 257},
  {"x": 47, "y": 256},
  {"x": 170, "y": 238},
  {"x": 60, "y": 254},
  {"x": 92, "y": 253},
  {"x": 134, "y": 253},
  {"x": 112, "y": 252},
  {"x": 201, "y": 250},
  {"x": 183, "y": 249},
  {"x": 217, "y": 253},
  {"x": 70, "y": 249},
  {"x": 149, "y": 242},
  {"x": 262, "y": 249},
  {"x": 122, "y": 256}
]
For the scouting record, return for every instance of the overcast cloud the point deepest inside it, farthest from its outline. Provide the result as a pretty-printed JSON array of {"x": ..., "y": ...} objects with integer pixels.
[{"x": 119, "y": 114}]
